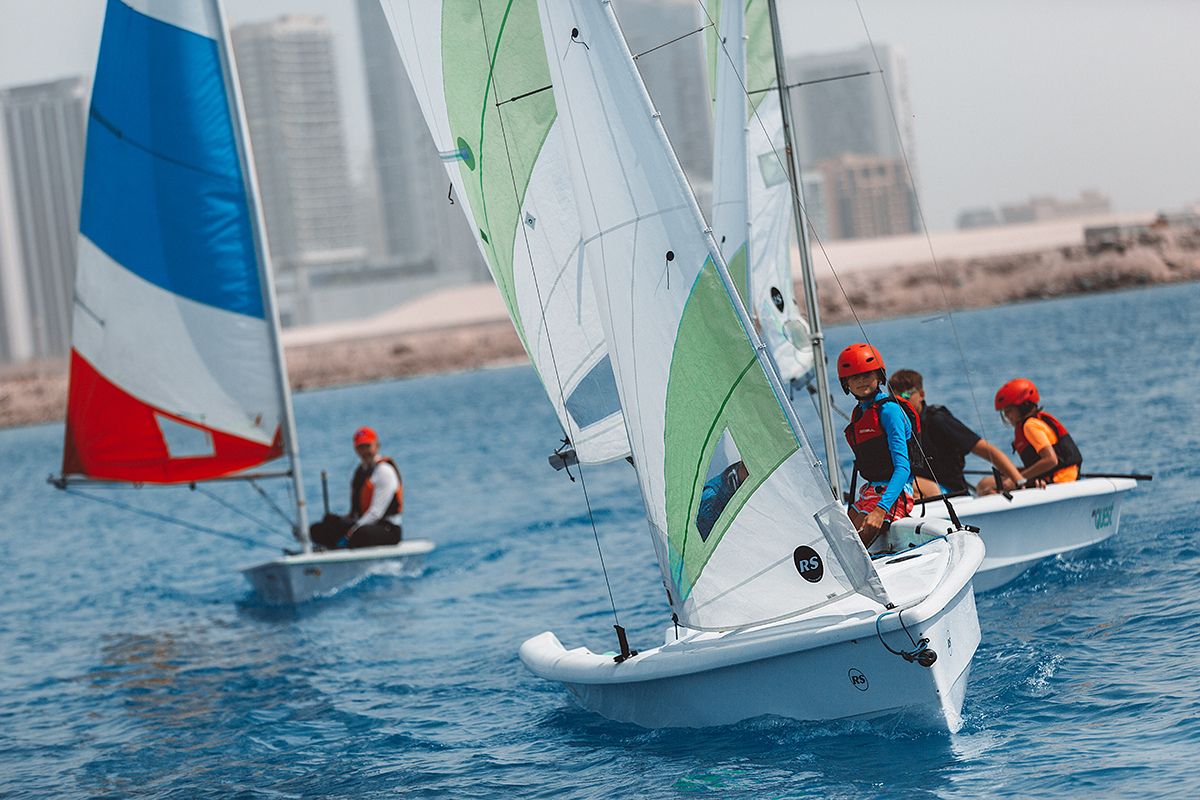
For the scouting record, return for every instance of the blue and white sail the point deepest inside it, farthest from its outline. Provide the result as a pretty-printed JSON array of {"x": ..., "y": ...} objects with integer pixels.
[{"x": 175, "y": 370}]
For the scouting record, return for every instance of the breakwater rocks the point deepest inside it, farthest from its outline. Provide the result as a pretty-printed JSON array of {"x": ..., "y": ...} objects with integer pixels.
[
  {"x": 977, "y": 282},
  {"x": 38, "y": 392}
]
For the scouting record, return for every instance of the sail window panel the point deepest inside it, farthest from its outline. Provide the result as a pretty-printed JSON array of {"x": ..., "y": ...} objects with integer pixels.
[
  {"x": 595, "y": 397},
  {"x": 184, "y": 441},
  {"x": 726, "y": 474}
]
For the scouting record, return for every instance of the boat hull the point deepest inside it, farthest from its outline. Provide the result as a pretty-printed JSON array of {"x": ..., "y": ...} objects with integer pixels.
[
  {"x": 802, "y": 669},
  {"x": 1036, "y": 524},
  {"x": 293, "y": 579}
]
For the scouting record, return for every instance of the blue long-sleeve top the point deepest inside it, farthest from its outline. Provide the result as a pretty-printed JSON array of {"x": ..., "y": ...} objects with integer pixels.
[{"x": 897, "y": 429}]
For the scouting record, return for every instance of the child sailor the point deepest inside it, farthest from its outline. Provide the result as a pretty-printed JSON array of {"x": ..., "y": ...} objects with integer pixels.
[{"x": 881, "y": 434}]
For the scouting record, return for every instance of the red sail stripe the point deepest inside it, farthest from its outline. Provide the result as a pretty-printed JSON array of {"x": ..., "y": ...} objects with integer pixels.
[{"x": 112, "y": 435}]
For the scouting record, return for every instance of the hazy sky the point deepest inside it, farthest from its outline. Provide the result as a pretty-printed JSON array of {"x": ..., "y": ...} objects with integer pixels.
[{"x": 1010, "y": 97}]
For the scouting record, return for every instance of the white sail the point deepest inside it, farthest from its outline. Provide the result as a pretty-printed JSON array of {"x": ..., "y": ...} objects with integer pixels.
[
  {"x": 745, "y": 528},
  {"x": 752, "y": 200},
  {"x": 481, "y": 78}
]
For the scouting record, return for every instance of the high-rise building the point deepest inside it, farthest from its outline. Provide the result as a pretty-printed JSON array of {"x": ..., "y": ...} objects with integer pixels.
[
  {"x": 867, "y": 196},
  {"x": 422, "y": 231},
  {"x": 287, "y": 72},
  {"x": 675, "y": 75},
  {"x": 846, "y": 121},
  {"x": 41, "y": 175}
]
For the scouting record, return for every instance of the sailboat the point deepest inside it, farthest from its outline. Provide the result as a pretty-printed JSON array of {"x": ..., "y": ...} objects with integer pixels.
[
  {"x": 1019, "y": 528},
  {"x": 776, "y": 606},
  {"x": 177, "y": 374}
]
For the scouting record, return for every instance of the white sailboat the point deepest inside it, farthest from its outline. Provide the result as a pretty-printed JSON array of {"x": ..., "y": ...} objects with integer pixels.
[
  {"x": 768, "y": 582},
  {"x": 1020, "y": 528},
  {"x": 177, "y": 375}
]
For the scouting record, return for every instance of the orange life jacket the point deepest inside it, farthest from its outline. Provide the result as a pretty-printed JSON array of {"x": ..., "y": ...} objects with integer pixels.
[
  {"x": 362, "y": 490},
  {"x": 1065, "y": 447}
]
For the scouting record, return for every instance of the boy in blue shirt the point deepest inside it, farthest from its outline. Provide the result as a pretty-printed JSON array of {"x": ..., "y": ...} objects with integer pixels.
[{"x": 881, "y": 434}]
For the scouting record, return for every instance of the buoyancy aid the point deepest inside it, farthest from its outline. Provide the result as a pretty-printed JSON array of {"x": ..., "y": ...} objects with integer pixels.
[
  {"x": 362, "y": 490},
  {"x": 1065, "y": 447},
  {"x": 866, "y": 438}
]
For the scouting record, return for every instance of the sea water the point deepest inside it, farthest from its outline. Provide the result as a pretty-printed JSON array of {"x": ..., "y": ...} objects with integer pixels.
[{"x": 135, "y": 663}]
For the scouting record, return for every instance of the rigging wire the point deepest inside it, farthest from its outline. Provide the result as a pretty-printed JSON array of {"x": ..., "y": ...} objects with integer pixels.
[
  {"x": 230, "y": 506},
  {"x": 887, "y": 93},
  {"x": 541, "y": 305},
  {"x": 291, "y": 523},
  {"x": 165, "y": 518}
]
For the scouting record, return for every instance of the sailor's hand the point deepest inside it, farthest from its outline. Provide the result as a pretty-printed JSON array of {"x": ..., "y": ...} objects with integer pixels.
[{"x": 873, "y": 523}]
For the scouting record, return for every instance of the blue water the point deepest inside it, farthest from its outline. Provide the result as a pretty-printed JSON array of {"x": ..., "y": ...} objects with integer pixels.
[{"x": 134, "y": 662}]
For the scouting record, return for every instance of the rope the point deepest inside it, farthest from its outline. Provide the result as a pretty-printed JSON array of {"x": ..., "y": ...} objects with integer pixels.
[
  {"x": 166, "y": 518},
  {"x": 541, "y": 305},
  {"x": 887, "y": 93},
  {"x": 291, "y": 523},
  {"x": 920, "y": 653},
  {"x": 226, "y": 504}
]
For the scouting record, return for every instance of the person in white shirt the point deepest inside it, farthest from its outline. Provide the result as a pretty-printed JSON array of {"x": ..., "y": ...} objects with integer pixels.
[{"x": 376, "y": 501}]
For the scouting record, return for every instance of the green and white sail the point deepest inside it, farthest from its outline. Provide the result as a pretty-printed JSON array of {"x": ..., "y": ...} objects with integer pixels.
[
  {"x": 702, "y": 404},
  {"x": 752, "y": 199},
  {"x": 480, "y": 75}
]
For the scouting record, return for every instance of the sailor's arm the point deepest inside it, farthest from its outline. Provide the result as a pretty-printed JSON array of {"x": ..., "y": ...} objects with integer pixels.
[{"x": 989, "y": 452}]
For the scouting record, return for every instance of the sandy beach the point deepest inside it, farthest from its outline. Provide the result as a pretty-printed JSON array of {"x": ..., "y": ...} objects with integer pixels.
[{"x": 421, "y": 337}]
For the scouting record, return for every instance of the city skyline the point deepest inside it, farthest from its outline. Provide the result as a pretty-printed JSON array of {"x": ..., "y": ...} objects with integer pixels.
[{"x": 1009, "y": 99}]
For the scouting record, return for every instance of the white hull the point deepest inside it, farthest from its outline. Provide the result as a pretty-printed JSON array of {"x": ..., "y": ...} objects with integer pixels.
[
  {"x": 1036, "y": 524},
  {"x": 295, "y": 579},
  {"x": 825, "y": 665}
]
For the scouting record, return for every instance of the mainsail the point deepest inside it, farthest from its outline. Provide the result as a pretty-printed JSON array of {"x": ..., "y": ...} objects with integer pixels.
[
  {"x": 744, "y": 525},
  {"x": 752, "y": 199},
  {"x": 174, "y": 372},
  {"x": 481, "y": 78}
]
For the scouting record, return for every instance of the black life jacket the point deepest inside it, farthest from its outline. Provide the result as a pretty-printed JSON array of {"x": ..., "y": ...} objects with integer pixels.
[
  {"x": 1065, "y": 448},
  {"x": 866, "y": 438},
  {"x": 362, "y": 490}
]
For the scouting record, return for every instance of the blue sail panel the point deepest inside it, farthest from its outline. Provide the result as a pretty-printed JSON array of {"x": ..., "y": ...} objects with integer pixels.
[{"x": 163, "y": 192}]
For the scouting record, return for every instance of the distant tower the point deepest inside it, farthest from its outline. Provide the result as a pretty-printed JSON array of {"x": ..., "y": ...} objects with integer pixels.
[
  {"x": 422, "y": 231},
  {"x": 845, "y": 133},
  {"x": 676, "y": 78},
  {"x": 288, "y": 77},
  {"x": 41, "y": 175}
]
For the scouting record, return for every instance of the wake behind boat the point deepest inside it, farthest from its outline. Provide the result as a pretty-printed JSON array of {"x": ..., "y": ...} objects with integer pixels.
[{"x": 177, "y": 375}]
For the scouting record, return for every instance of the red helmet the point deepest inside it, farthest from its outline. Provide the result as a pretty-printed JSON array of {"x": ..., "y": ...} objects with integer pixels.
[
  {"x": 857, "y": 359},
  {"x": 365, "y": 435},
  {"x": 1016, "y": 392}
]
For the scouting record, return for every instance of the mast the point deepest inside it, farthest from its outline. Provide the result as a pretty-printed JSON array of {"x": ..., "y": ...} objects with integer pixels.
[
  {"x": 262, "y": 250},
  {"x": 816, "y": 335}
]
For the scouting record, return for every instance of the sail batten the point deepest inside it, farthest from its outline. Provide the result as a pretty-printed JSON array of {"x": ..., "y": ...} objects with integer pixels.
[
  {"x": 173, "y": 376},
  {"x": 481, "y": 80},
  {"x": 730, "y": 488}
]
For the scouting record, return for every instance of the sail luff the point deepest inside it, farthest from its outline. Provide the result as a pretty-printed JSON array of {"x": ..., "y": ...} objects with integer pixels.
[
  {"x": 241, "y": 130},
  {"x": 729, "y": 486}
]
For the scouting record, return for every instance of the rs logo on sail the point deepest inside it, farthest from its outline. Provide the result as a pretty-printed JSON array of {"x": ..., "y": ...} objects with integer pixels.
[{"x": 1102, "y": 517}]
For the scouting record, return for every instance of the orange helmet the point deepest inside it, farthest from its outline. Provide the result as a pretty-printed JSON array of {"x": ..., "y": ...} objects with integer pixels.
[
  {"x": 1016, "y": 392},
  {"x": 857, "y": 359},
  {"x": 365, "y": 435}
]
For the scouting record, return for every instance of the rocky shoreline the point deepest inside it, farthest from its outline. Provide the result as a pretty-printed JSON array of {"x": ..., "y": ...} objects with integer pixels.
[{"x": 37, "y": 393}]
